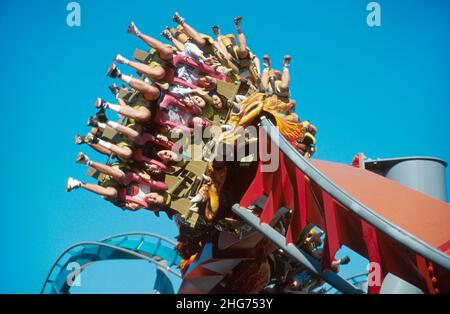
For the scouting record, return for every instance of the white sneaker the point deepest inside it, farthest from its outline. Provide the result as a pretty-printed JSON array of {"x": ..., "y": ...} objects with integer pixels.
[
  {"x": 100, "y": 103},
  {"x": 194, "y": 208},
  {"x": 197, "y": 198},
  {"x": 82, "y": 159},
  {"x": 121, "y": 59},
  {"x": 226, "y": 127},
  {"x": 72, "y": 184},
  {"x": 132, "y": 29},
  {"x": 207, "y": 179}
]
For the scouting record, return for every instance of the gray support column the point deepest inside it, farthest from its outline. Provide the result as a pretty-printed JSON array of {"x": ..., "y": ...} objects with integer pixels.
[
  {"x": 395, "y": 285},
  {"x": 163, "y": 285},
  {"x": 423, "y": 174}
]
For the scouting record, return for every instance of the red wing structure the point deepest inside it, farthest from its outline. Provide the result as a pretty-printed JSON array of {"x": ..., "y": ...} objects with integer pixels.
[{"x": 404, "y": 232}]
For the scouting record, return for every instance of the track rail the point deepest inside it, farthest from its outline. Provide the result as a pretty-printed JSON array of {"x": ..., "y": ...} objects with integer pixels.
[
  {"x": 299, "y": 255},
  {"x": 353, "y": 279},
  {"x": 362, "y": 211},
  {"x": 135, "y": 245}
]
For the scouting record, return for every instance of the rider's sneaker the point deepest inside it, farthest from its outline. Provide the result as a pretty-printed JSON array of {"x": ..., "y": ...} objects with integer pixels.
[
  {"x": 216, "y": 30},
  {"x": 79, "y": 139},
  {"x": 237, "y": 21},
  {"x": 166, "y": 34},
  {"x": 82, "y": 159},
  {"x": 207, "y": 179},
  {"x": 113, "y": 71},
  {"x": 114, "y": 89},
  {"x": 287, "y": 61},
  {"x": 266, "y": 61},
  {"x": 226, "y": 127},
  {"x": 194, "y": 208},
  {"x": 90, "y": 138},
  {"x": 121, "y": 59},
  {"x": 72, "y": 184},
  {"x": 197, "y": 198},
  {"x": 92, "y": 121},
  {"x": 177, "y": 18},
  {"x": 133, "y": 30},
  {"x": 100, "y": 103},
  {"x": 312, "y": 129},
  {"x": 101, "y": 116}
]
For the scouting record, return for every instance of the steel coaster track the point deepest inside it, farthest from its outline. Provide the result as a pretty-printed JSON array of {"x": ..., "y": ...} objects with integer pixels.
[
  {"x": 399, "y": 235},
  {"x": 120, "y": 246},
  {"x": 362, "y": 211}
]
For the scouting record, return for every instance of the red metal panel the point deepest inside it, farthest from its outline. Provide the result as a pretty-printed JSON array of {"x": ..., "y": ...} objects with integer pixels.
[
  {"x": 373, "y": 250},
  {"x": 332, "y": 243},
  {"x": 255, "y": 190},
  {"x": 427, "y": 272},
  {"x": 286, "y": 184},
  {"x": 314, "y": 209},
  {"x": 299, "y": 213},
  {"x": 275, "y": 199},
  {"x": 424, "y": 217},
  {"x": 350, "y": 230}
]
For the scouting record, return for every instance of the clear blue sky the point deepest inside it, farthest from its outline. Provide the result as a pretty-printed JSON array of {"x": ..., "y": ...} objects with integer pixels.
[{"x": 382, "y": 91}]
